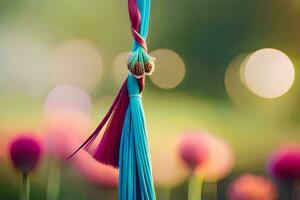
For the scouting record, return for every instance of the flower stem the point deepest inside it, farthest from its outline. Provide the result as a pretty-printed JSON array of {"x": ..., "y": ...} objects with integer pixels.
[
  {"x": 25, "y": 187},
  {"x": 295, "y": 190},
  {"x": 166, "y": 193},
  {"x": 195, "y": 188},
  {"x": 53, "y": 186},
  {"x": 214, "y": 188}
]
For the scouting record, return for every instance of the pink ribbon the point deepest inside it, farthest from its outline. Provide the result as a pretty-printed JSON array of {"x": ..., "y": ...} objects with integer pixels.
[{"x": 135, "y": 18}]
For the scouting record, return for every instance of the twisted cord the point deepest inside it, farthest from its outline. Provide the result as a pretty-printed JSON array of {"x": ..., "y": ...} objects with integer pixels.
[
  {"x": 135, "y": 18},
  {"x": 139, "y": 63}
]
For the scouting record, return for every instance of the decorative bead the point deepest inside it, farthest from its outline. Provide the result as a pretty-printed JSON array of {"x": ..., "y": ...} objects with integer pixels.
[
  {"x": 148, "y": 67},
  {"x": 137, "y": 70}
]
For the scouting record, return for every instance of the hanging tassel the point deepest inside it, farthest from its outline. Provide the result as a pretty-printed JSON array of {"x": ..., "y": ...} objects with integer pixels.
[
  {"x": 124, "y": 144},
  {"x": 135, "y": 173}
]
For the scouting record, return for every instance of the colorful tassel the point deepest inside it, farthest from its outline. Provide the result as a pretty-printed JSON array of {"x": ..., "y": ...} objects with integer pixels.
[
  {"x": 135, "y": 173},
  {"x": 124, "y": 144}
]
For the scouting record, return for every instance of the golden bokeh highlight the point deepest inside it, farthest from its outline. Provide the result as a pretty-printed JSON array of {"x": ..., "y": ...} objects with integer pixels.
[
  {"x": 120, "y": 70},
  {"x": 234, "y": 84},
  {"x": 169, "y": 69},
  {"x": 168, "y": 171},
  {"x": 76, "y": 62},
  {"x": 268, "y": 73},
  {"x": 24, "y": 62},
  {"x": 67, "y": 98}
]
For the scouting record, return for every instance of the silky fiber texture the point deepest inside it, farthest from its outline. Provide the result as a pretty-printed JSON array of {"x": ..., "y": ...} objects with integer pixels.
[
  {"x": 135, "y": 174},
  {"x": 124, "y": 144}
]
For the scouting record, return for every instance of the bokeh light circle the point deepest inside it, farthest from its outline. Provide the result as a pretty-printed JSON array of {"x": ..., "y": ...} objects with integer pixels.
[
  {"x": 168, "y": 171},
  {"x": 76, "y": 62},
  {"x": 233, "y": 83},
  {"x": 120, "y": 70},
  {"x": 169, "y": 69},
  {"x": 67, "y": 98},
  {"x": 24, "y": 62},
  {"x": 268, "y": 73}
]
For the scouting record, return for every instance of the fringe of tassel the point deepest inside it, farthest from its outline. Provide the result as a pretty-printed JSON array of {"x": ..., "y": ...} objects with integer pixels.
[{"x": 108, "y": 150}]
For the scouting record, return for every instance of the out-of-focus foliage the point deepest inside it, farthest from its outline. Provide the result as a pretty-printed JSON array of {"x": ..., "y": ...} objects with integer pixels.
[{"x": 49, "y": 44}]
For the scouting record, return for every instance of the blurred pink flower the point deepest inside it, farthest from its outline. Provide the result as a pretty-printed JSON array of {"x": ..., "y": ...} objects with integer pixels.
[
  {"x": 284, "y": 163},
  {"x": 192, "y": 150},
  {"x": 63, "y": 133},
  {"x": 94, "y": 171},
  {"x": 252, "y": 187},
  {"x": 67, "y": 98},
  {"x": 220, "y": 159},
  {"x": 25, "y": 152}
]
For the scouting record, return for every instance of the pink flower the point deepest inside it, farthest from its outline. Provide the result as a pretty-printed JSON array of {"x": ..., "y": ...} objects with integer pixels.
[
  {"x": 63, "y": 133},
  {"x": 252, "y": 187},
  {"x": 94, "y": 171},
  {"x": 284, "y": 163},
  {"x": 192, "y": 150},
  {"x": 25, "y": 152},
  {"x": 208, "y": 155},
  {"x": 220, "y": 159}
]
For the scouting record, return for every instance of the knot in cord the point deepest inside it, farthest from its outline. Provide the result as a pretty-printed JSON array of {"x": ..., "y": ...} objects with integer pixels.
[{"x": 135, "y": 96}]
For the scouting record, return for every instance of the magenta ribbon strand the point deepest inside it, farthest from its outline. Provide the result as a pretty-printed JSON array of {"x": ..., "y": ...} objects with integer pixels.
[
  {"x": 107, "y": 152},
  {"x": 135, "y": 18}
]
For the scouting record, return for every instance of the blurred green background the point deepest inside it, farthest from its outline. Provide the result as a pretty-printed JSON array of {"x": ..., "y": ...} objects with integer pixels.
[{"x": 207, "y": 37}]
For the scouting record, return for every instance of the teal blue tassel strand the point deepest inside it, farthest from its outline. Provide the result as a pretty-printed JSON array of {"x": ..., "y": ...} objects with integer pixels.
[{"x": 135, "y": 173}]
